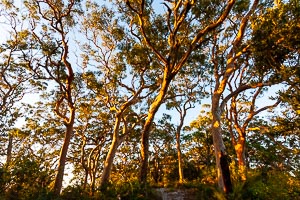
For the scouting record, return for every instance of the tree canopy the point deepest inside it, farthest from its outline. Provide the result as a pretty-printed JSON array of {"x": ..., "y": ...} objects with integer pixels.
[{"x": 96, "y": 99}]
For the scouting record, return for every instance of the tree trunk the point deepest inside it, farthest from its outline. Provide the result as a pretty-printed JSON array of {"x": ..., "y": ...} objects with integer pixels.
[
  {"x": 223, "y": 171},
  {"x": 9, "y": 150},
  {"x": 109, "y": 160},
  {"x": 145, "y": 147},
  {"x": 240, "y": 152},
  {"x": 112, "y": 152},
  {"x": 93, "y": 173},
  {"x": 146, "y": 129},
  {"x": 62, "y": 159},
  {"x": 179, "y": 155}
]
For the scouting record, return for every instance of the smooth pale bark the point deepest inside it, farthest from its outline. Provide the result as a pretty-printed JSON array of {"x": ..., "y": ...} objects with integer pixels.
[
  {"x": 117, "y": 138},
  {"x": 109, "y": 161},
  {"x": 116, "y": 141},
  {"x": 222, "y": 80},
  {"x": 63, "y": 157},
  {"x": 239, "y": 143},
  {"x": 111, "y": 154},
  {"x": 178, "y": 143},
  {"x": 179, "y": 157},
  {"x": 223, "y": 171}
]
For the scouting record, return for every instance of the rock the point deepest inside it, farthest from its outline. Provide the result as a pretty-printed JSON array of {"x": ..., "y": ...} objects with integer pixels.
[{"x": 176, "y": 194}]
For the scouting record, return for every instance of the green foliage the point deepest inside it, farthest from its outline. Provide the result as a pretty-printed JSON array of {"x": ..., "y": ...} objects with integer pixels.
[
  {"x": 126, "y": 190},
  {"x": 122, "y": 57},
  {"x": 271, "y": 185},
  {"x": 75, "y": 192},
  {"x": 26, "y": 179},
  {"x": 275, "y": 35},
  {"x": 4, "y": 180}
]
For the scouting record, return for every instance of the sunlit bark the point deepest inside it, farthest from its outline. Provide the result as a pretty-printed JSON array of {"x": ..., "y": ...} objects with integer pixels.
[
  {"x": 241, "y": 126},
  {"x": 147, "y": 126},
  {"x": 179, "y": 156},
  {"x": 223, "y": 172},
  {"x": 116, "y": 140},
  {"x": 117, "y": 137},
  {"x": 62, "y": 159},
  {"x": 222, "y": 77}
]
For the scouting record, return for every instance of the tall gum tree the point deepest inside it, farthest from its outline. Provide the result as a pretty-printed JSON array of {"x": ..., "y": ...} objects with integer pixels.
[
  {"x": 182, "y": 96},
  {"x": 50, "y": 23},
  {"x": 222, "y": 76},
  {"x": 257, "y": 67},
  {"x": 182, "y": 36},
  {"x": 14, "y": 77},
  {"x": 120, "y": 71},
  {"x": 242, "y": 110}
]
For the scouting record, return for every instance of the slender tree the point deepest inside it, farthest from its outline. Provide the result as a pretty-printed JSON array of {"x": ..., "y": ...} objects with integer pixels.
[
  {"x": 184, "y": 92},
  {"x": 107, "y": 37},
  {"x": 14, "y": 78},
  {"x": 56, "y": 21}
]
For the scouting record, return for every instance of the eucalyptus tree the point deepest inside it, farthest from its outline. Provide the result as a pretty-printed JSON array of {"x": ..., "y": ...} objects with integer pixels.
[
  {"x": 183, "y": 94},
  {"x": 240, "y": 65},
  {"x": 228, "y": 46},
  {"x": 242, "y": 110},
  {"x": 281, "y": 51},
  {"x": 266, "y": 64},
  {"x": 14, "y": 78},
  {"x": 122, "y": 81},
  {"x": 93, "y": 127},
  {"x": 49, "y": 25},
  {"x": 182, "y": 29}
]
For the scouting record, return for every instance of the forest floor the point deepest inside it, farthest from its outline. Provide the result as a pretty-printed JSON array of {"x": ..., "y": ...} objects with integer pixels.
[{"x": 176, "y": 194}]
